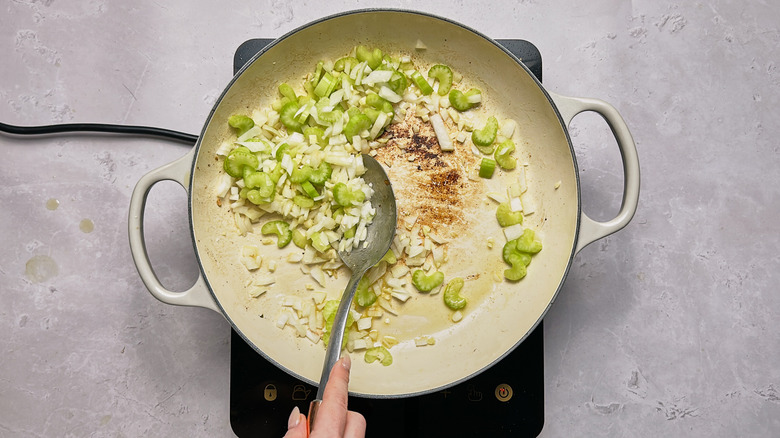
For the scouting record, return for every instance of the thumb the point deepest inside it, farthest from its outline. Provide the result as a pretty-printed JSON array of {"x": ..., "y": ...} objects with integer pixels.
[{"x": 296, "y": 425}]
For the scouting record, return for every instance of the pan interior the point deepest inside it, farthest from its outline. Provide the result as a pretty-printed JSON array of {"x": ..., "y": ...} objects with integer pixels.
[{"x": 499, "y": 314}]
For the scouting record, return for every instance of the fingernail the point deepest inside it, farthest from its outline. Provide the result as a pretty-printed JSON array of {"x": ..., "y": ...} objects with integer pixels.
[
  {"x": 346, "y": 362},
  {"x": 295, "y": 418}
]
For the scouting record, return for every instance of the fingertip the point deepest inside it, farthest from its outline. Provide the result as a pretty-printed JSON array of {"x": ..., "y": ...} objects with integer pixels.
[{"x": 346, "y": 362}]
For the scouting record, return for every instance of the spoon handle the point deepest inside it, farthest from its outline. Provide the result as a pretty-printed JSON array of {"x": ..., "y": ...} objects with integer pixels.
[{"x": 333, "y": 352}]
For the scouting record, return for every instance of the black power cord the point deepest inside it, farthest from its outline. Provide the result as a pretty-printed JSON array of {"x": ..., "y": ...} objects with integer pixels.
[{"x": 102, "y": 128}]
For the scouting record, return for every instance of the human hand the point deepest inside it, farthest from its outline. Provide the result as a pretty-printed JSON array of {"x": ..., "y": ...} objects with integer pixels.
[{"x": 334, "y": 420}]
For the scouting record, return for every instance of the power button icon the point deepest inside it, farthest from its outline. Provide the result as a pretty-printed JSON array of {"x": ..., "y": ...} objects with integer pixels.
[{"x": 503, "y": 392}]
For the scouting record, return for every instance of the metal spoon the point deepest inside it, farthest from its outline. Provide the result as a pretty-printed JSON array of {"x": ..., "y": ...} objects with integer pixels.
[{"x": 380, "y": 235}]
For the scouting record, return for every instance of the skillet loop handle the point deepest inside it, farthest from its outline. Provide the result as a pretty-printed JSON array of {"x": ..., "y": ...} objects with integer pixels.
[
  {"x": 197, "y": 295},
  {"x": 591, "y": 230}
]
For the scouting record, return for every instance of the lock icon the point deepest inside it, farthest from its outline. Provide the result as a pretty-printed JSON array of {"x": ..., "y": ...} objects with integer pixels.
[{"x": 269, "y": 393}]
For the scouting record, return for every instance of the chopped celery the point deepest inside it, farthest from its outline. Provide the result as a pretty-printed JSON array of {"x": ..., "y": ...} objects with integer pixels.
[
  {"x": 260, "y": 181},
  {"x": 389, "y": 257},
  {"x": 426, "y": 283},
  {"x": 487, "y": 167},
  {"x": 503, "y": 155},
  {"x": 309, "y": 189},
  {"x": 372, "y": 57},
  {"x": 257, "y": 197},
  {"x": 241, "y": 123},
  {"x": 380, "y": 354},
  {"x": 320, "y": 241},
  {"x": 282, "y": 231},
  {"x": 375, "y": 101},
  {"x": 329, "y": 314},
  {"x": 283, "y": 148},
  {"x": 486, "y": 136},
  {"x": 460, "y": 101},
  {"x": 277, "y": 173},
  {"x": 518, "y": 269},
  {"x": 287, "y": 91},
  {"x": 510, "y": 250},
  {"x": 345, "y": 64},
  {"x": 303, "y": 201},
  {"x": 452, "y": 297},
  {"x": 301, "y": 174},
  {"x": 316, "y": 132},
  {"x": 325, "y": 86},
  {"x": 287, "y": 116},
  {"x": 506, "y": 217},
  {"x": 528, "y": 243},
  {"x": 443, "y": 74},
  {"x": 518, "y": 253},
  {"x": 321, "y": 174},
  {"x": 398, "y": 82},
  {"x": 299, "y": 238},
  {"x": 346, "y": 197},
  {"x": 364, "y": 296},
  {"x": 357, "y": 124},
  {"x": 238, "y": 160},
  {"x": 422, "y": 84}
]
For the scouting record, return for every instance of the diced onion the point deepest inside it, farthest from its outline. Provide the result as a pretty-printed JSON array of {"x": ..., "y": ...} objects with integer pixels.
[{"x": 442, "y": 134}]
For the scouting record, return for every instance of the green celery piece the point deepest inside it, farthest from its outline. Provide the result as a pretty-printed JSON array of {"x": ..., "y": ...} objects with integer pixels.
[
  {"x": 287, "y": 116},
  {"x": 317, "y": 132},
  {"x": 317, "y": 74},
  {"x": 325, "y": 84},
  {"x": 487, "y": 167},
  {"x": 283, "y": 148},
  {"x": 422, "y": 83},
  {"x": 443, "y": 74},
  {"x": 303, "y": 201},
  {"x": 320, "y": 242},
  {"x": 299, "y": 238},
  {"x": 389, "y": 257},
  {"x": 518, "y": 269},
  {"x": 356, "y": 125},
  {"x": 364, "y": 296},
  {"x": 260, "y": 181},
  {"x": 452, "y": 297},
  {"x": 346, "y": 197},
  {"x": 257, "y": 197},
  {"x": 487, "y": 135},
  {"x": 527, "y": 242},
  {"x": 458, "y": 100},
  {"x": 503, "y": 155},
  {"x": 350, "y": 232},
  {"x": 277, "y": 173},
  {"x": 510, "y": 250},
  {"x": 238, "y": 160},
  {"x": 282, "y": 231},
  {"x": 372, "y": 57},
  {"x": 506, "y": 217},
  {"x": 309, "y": 189},
  {"x": 378, "y": 354},
  {"x": 345, "y": 63},
  {"x": 287, "y": 91},
  {"x": 301, "y": 174},
  {"x": 398, "y": 83},
  {"x": 321, "y": 174},
  {"x": 426, "y": 283},
  {"x": 241, "y": 123},
  {"x": 376, "y": 101}
]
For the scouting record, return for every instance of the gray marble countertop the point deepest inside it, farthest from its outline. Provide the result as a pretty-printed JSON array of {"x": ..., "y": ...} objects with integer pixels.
[{"x": 667, "y": 328}]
